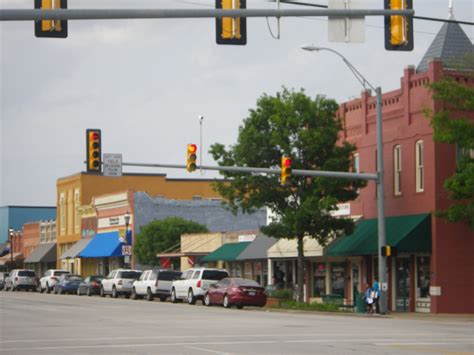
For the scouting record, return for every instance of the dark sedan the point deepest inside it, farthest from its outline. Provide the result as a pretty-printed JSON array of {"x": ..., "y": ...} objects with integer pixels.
[
  {"x": 67, "y": 283},
  {"x": 238, "y": 292},
  {"x": 90, "y": 286}
]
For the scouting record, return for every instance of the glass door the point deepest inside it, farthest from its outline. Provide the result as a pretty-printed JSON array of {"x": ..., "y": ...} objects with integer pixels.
[{"x": 402, "y": 284}]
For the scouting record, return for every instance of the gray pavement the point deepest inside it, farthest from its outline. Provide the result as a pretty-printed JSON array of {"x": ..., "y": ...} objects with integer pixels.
[{"x": 57, "y": 324}]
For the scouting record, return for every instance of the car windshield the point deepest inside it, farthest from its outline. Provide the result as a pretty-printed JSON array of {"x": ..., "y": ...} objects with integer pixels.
[
  {"x": 129, "y": 275},
  {"x": 215, "y": 275},
  {"x": 59, "y": 273},
  {"x": 169, "y": 275},
  {"x": 244, "y": 282},
  {"x": 26, "y": 273},
  {"x": 72, "y": 277}
]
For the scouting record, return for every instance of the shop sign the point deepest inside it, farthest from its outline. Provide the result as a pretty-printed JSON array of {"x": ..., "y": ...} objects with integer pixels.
[
  {"x": 247, "y": 238},
  {"x": 343, "y": 209},
  {"x": 126, "y": 250}
]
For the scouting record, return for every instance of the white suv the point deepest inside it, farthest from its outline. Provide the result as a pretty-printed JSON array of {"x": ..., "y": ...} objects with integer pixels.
[
  {"x": 155, "y": 283},
  {"x": 21, "y": 279},
  {"x": 119, "y": 282},
  {"x": 194, "y": 283},
  {"x": 49, "y": 280}
]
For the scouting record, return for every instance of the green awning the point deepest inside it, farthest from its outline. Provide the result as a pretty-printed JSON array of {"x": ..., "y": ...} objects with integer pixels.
[
  {"x": 227, "y": 252},
  {"x": 410, "y": 233}
]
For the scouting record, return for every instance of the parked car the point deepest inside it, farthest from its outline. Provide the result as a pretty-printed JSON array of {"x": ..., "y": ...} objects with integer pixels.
[
  {"x": 194, "y": 283},
  {"x": 119, "y": 282},
  {"x": 154, "y": 283},
  {"x": 3, "y": 276},
  {"x": 49, "y": 280},
  {"x": 21, "y": 279},
  {"x": 236, "y": 291},
  {"x": 90, "y": 286},
  {"x": 67, "y": 283}
]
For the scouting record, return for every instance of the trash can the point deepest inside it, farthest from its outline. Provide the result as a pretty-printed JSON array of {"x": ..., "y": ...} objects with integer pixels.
[{"x": 360, "y": 304}]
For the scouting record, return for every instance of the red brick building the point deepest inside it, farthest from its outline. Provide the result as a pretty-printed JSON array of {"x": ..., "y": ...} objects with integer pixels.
[
  {"x": 434, "y": 274},
  {"x": 31, "y": 237}
]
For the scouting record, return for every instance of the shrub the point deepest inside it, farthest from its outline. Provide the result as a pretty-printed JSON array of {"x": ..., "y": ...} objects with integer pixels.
[
  {"x": 283, "y": 294},
  {"x": 321, "y": 307}
]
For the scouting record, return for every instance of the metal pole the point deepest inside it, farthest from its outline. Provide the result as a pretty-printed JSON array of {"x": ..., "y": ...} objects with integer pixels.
[
  {"x": 380, "y": 207},
  {"x": 10, "y": 234},
  {"x": 115, "y": 14}
]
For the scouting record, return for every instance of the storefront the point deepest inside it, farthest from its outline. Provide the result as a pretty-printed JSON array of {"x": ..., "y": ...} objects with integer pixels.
[
  {"x": 42, "y": 258},
  {"x": 70, "y": 259},
  {"x": 408, "y": 272}
]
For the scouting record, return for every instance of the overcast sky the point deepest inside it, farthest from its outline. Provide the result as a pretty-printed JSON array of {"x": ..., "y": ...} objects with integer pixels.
[{"x": 145, "y": 82}]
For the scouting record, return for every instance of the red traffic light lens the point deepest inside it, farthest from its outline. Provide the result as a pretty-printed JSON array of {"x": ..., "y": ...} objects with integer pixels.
[
  {"x": 287, "y": 162},
  {"x": 192, "y": 148},
  {"x": 95, "y": 136}
]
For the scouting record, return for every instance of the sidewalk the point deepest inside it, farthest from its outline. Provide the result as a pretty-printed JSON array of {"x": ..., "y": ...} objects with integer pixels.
[{"x": 432, "y": 317}]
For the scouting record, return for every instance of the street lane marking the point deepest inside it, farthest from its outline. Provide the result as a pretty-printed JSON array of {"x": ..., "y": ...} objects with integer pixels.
[
  {"x": 141, "y": 345},
  {"x": 205, "y": 350},
  {"x": 273, "y": 335},
  {"x": 380, "y": 342}
]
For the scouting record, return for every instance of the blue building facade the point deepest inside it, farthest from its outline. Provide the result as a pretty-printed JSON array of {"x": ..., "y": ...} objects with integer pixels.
[{"x": 15, "y": 216}]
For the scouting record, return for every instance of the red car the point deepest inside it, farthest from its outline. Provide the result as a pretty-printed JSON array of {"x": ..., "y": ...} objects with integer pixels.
[{"x": 239, "y": 292}]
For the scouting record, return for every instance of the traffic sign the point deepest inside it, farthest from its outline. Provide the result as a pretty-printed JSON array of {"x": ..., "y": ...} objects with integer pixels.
[
  {"x": 345, "y": 29},
  {"x": 112, "y": 164}
]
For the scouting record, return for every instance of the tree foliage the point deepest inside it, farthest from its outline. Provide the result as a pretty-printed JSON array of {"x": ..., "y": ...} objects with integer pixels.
[
  {"x": 162, "y": 235},
  {"x": 306, "y": 129},
  {"x": 453, "y": 125}
]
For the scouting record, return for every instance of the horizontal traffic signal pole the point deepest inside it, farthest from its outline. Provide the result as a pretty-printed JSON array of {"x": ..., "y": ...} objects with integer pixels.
[
  {"x": 117, "y": 14},
  {"x": 241, "y": 169}
]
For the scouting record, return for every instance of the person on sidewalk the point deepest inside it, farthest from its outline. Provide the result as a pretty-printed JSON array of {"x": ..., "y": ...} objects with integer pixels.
[
  {"x": 368, "y": 298},
  {"x": 376, "y": 296}
]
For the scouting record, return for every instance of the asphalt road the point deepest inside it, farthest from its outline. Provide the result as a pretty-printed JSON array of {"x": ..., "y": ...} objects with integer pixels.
[{"x": 58, "y": 324}]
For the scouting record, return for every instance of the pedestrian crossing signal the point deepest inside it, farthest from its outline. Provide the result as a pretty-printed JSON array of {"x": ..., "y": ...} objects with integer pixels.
[{"x": 51, "y": 28}]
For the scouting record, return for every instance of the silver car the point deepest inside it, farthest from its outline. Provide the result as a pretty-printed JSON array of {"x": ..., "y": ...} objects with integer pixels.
[{"x": 21, "y": 279}]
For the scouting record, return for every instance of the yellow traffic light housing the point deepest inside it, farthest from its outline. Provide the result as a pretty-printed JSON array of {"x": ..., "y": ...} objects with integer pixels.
[
  {"x": 51, "y": 28},
  {"x": 94, "y": 150},
  {"x": 388, "y": 250},
  {"x": 231, "y": 30},
  {"x": 191, "y": 158},
  {"x": 398, "y": 29},
  {"x": 285, "y": 170}
]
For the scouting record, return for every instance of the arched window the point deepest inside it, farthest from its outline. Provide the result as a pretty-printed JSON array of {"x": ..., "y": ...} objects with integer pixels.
[{"x": 419, "y": 168}]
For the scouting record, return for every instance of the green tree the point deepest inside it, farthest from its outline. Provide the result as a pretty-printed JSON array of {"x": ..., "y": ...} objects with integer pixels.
[
  {"x": 162, "y": 235},
  {"x": 454, "y": 125},
  {"x": 291, "y": 123}
]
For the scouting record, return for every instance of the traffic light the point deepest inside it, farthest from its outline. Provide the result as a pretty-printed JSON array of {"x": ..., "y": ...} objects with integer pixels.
[
  {"x": 285, "y": 170},
  {"x": 51, "y": 28},
  {"x": 231, "y": 30},
  {"x": 398, "y": 29},
  {"x": 94, "y": 150},
  {"x": 388, "y": 250},
  {"x": 191, "y": 158}
]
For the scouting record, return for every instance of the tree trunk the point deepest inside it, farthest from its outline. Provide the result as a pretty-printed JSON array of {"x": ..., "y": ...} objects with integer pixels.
[{"x": 300, "y": 269}]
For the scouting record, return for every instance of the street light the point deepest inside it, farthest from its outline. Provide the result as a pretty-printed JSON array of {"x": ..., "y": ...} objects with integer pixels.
[{"x": 380, "y": 174}]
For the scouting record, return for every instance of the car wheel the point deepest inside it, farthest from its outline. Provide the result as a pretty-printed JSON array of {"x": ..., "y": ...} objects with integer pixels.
[
  {"x": 102, "y": 292},
  {"x": 173, "y": 296},
  {"x": 114, "y": 292},
  {"x": 40, "y": 289},
  {"x": 207, "y": 300},
  {"x": 88, "y": 292},
  {"x": 163, "y": 298},
  {"x": 127, "y": 296},
  {"x": 240, "y": 306},
  {"x": 78, "y": 292},
  {"x": 149, "y": 295},
  {"x": 48, "y": 290},
  {"x": 191, "y": 298},
  {"x": 134, "y": 294},
  {"x": 226, "y": 303}
]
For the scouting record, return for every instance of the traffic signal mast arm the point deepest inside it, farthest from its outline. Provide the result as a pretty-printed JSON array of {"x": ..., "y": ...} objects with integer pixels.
[
  {"x": 242, "y": 169},
  {"x": 110, "y": 14}
]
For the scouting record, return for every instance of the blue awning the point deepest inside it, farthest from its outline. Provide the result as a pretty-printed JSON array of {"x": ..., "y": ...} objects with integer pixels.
[{"x": 104, "y": 245}]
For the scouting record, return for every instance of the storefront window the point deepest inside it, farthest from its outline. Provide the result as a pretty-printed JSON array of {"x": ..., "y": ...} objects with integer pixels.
[
  {"x": 338, "y": 275},
  {"x": 319, "y": 279},
  {"x": 423, "y": 277}
]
